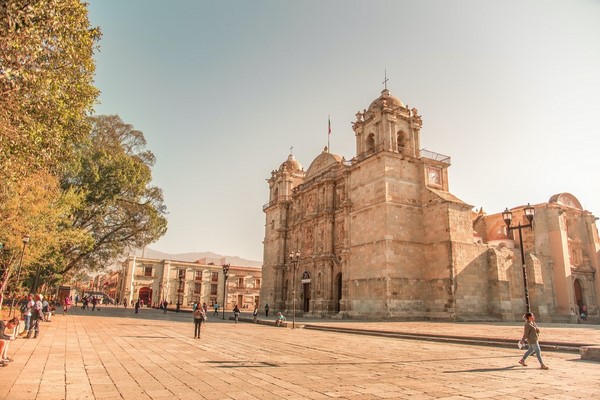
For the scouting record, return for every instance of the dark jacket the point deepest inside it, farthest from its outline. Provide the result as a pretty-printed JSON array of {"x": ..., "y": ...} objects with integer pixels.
[{"x": 531, "y": 332}]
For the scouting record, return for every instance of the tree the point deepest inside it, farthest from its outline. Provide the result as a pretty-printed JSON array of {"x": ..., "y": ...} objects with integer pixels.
[
  {"x": 46, "y": 83},
  {"x": 46, "y": 94},
  {"x": 119, "y": 208},
  {"x": 36, "y": 206}
]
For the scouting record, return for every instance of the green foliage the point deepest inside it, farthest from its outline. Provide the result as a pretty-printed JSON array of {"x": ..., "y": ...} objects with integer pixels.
[
  {"x": 119, "y": 209},
  {"x": 46, "y": 93},
  {"x": 46, "y": 82},
  {"x": 79, "y": 186}
]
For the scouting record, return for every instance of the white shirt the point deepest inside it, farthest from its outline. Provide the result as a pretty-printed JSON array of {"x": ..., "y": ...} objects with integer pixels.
[{"x": 30, "y": 304}]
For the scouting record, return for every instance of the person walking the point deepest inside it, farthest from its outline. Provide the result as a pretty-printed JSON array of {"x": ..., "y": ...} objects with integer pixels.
[
  {"x": 137, "y": 306},
  {"x": 165, "y": 305},
  {"x": 199, "y": 318},
  {"x": 205, "y": 308},
  {"x": 531, "y": 333},
  {"x": 67, "y": 305},
  {"x": 267, "y": 310},
  {"x": 216, "y": 306},
  {"x": 236, "y": 313},
  {"x": 255, "y": 314}
]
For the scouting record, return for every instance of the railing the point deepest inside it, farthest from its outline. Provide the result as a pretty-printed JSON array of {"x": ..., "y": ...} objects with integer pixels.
[
  {"x": 278, "y": 199},
  {"x": 377, "y": 149},
  {"x": 435, "y": 156}
]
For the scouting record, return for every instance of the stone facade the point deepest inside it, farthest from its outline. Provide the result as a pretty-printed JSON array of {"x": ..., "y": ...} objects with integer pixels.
[
  {"x": 187, "y": 282},
  {"x": 381, "y": 236}
]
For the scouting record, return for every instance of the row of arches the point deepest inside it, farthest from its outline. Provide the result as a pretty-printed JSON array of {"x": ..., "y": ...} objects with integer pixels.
[{"x": 401, "y": 141}]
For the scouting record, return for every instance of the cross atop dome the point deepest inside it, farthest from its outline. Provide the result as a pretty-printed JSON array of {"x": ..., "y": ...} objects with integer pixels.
[{"x": 385, "y": 80}]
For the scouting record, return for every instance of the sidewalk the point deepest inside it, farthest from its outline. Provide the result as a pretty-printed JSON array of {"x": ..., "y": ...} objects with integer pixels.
[
  {"x": 553, "y": 337},
  {"x": 567, "y": 333}
]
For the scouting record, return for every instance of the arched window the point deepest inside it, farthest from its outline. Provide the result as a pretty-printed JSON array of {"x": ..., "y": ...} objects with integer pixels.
[
  {"x": 319, "y": 282},
  {"x": 402, "y": 139},
  {"x": 371, "y": 142},
  {"x": 578, "y": 294}
]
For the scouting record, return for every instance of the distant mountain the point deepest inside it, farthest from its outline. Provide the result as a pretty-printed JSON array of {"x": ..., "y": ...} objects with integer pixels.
[{"x": 190, "y": 257}]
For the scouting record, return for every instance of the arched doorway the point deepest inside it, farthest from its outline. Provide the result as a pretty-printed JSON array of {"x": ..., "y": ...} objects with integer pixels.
[
  {"x": 306, "y": 282},
  {"x": 145, "y": 295},
  {"x": 338, "y": 292},
  {"x": 578, "y": 294},
  {"x": 306, "y": 294}
]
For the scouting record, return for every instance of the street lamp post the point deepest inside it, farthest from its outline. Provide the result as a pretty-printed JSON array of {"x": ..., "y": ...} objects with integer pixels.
[
  {"x": 294, "y": 259},
  {"x": 179, "y": 291},
  {"x": 225, "y": 276},
  {"x": 507, "y": 217},
  {"x": 25, "y": 241}
]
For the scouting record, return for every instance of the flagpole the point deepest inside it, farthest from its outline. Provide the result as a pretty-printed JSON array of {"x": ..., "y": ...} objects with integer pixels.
[{"x": 328, "y": 133}]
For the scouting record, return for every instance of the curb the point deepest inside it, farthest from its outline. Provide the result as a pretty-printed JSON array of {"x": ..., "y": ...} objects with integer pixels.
[{"x": 477, "y": 341}]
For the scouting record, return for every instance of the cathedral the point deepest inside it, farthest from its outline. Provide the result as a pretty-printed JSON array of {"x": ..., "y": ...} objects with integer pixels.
[{"x": 381, "y": 236}]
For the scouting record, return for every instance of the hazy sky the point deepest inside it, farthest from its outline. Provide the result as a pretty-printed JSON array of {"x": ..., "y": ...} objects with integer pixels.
[{"x": 222, "y": 89}]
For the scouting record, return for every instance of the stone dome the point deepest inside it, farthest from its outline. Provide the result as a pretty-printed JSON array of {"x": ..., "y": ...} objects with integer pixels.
[
  {"x": 291, "y": 164},
  {"x": 386, "y": 97}
]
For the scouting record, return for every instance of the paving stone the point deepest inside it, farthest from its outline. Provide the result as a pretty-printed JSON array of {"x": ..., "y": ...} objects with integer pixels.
[{"x": 119, "y": 355}]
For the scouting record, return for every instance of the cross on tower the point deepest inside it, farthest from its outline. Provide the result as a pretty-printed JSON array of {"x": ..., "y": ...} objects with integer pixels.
[
  {"x": 385, "y": 80},
  {"x": 291, "y": 150}
]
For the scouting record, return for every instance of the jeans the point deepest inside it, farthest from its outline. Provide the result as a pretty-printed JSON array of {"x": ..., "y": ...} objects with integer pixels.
[
  {"x": 197, "y": 327},
  {"x": 538, "y": 352},
  {"x": 34, "y": 327},
  {"x": 27, "y": 321}
]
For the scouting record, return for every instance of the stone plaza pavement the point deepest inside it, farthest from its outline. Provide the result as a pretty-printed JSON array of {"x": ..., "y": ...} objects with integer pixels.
[{"x": 116, "y": 354}]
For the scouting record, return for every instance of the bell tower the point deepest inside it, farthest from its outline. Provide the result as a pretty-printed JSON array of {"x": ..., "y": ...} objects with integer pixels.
[
  {"x": 387, "y": 125},
  {"x": 277, "y": 214}
]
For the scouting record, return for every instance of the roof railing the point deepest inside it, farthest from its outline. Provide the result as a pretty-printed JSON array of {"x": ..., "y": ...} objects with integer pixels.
[{"x": 435, "y": 156}]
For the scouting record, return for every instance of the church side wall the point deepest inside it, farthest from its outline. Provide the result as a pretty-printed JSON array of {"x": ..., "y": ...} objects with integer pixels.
[{"x": 470, "y": 267}]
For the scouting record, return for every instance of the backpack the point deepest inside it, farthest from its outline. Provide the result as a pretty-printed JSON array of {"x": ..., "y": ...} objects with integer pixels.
[
  {"x": 23, "y": 308},
  {"x": 198, "y": 315},
  {"x": 46, "y": 308}
]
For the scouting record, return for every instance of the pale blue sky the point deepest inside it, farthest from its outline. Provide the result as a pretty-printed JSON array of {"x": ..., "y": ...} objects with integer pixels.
[{"x": 222, "y": 89}]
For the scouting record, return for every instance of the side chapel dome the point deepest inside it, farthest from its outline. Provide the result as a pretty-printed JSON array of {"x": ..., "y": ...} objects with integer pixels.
[
  {"x": 291, "y": 164},
  {"x": 389, "y": 100}
]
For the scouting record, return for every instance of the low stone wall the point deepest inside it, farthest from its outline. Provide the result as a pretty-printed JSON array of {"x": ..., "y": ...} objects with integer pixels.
[
  {"x": 591, "y": 353},
  {"x": 286, "y": 324}
]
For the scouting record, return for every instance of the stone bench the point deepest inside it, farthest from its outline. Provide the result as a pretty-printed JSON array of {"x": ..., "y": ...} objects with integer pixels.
[{"x": 591, "y": 353}]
